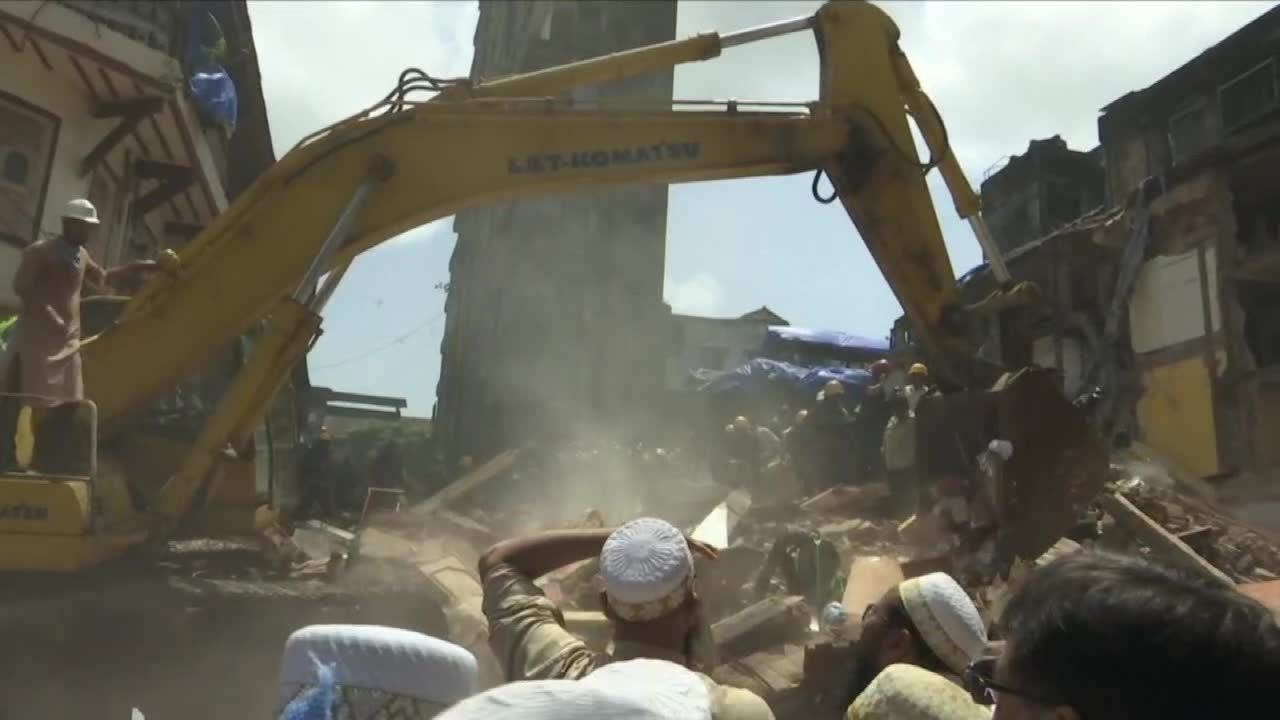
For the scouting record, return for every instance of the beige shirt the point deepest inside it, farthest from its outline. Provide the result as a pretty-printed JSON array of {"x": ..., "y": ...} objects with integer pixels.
[
  {"x": 48, "y": 284},
  {"x": 527, "y": 634},
  {"x": 899, "y": 444}
]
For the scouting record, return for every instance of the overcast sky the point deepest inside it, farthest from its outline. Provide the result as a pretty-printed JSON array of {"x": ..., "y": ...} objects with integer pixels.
[{"x": 1001, "y": 73}]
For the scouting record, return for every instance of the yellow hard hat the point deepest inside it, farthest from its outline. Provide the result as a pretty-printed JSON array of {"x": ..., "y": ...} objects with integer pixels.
[
  {"x": 918, "y": 369},
  {"x": 833, "y": 387},
  {"x": 800, "y": 416},
  {"x": 741, "y": 423}
]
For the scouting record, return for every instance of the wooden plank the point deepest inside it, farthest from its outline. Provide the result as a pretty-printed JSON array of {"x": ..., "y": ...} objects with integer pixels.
[
  {"x": 843, "y": 497},
  {"x": 716, "y": 529},
  {"x": 468, "y": 483},
  {"x": 1159, "y": 539}
]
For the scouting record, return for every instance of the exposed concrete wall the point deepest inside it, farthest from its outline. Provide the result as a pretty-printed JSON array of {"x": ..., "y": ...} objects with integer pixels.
[
  {"x": 555, "y": 319},
  {"x": 1039, "y": 191}
]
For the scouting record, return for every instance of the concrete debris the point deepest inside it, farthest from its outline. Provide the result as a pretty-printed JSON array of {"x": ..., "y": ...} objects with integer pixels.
[
  {"x": 776, "y": 674},
  {"x": 1157, "y": 538},
  {"x": 846, "y": 498},
  {"x": 783, "y": 558},
  {"x": 771, "y": 621}
]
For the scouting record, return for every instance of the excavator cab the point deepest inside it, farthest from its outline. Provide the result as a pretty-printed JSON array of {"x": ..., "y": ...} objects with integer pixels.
[{"x": 56, "y": 511}]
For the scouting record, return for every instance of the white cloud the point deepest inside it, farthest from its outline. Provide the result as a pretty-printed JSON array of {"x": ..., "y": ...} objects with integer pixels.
[
  {"x": 1001, "y": 73},
  {"x": 700, "y": 294},
  {"x": 324, "y": 61}
]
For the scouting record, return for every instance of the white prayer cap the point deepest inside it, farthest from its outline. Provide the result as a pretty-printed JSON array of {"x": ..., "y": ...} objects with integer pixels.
[
  {"x": 908, "y": 692},
  {"x": 647, "y": 569},
  {"x": 633, "y": 690},
  {"x": 384, "y": 663},
  {"x": 946, "y": 618}
]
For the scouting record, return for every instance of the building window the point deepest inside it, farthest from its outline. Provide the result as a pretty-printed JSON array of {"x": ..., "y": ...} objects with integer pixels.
[
  {"x": 1248, "y": 97},
  {"x": 1190, "y": 132},
  {"x": 29, "y": 136},
  {"x": 713, "y": 357},
  {"x": 17, "y": 168}
]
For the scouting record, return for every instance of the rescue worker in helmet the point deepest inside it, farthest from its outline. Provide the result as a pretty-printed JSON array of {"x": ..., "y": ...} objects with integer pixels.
[
  {"x": 798, "y": 440},
  {"x": 901, "y": 454},
  {"x": 869, "y": 424},
  {"x": 744, "y": 452},
  {"x": 917, "y": 386},
  {"x": 832, "y": 436}
]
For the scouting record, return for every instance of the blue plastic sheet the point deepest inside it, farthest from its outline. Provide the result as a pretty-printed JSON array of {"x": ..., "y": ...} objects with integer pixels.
[
  {"x": 210, "y": 85},
  {"x": 215, "y": 95},
  {"x": 763, "y": 379},
  {"x": 780, "y": 336},
  {"x": 974, "y": 272}
]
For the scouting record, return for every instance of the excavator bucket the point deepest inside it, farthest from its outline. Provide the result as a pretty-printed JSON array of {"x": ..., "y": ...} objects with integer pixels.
[{"x": 1059, "y": 462}]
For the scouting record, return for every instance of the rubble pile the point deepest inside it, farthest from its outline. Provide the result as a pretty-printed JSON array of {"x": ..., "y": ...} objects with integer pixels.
[
  {"x": 783, "y": 560},
  {"x": 1244, "y": 554}
]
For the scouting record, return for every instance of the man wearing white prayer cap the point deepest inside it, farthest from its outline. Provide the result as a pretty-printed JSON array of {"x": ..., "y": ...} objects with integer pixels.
[
  {"x": 370, "y": 672},
  {"x": 927, "y": 621},
  {"x": 649, "y": 595},
  {"x": 632, "y": 690},
  {"x": 907, "y": 692}
]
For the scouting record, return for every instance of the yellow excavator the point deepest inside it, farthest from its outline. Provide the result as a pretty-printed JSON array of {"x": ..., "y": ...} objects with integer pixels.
[{"x": 273, "y": 258}]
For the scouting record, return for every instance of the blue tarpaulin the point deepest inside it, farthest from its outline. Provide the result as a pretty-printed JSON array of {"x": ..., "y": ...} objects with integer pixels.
[
  {"x": 762, "y": 378},
  {"x": 778, "y": 336},
  {"x": 210, "y": 85},
  {"x": 215, "y": 95}
]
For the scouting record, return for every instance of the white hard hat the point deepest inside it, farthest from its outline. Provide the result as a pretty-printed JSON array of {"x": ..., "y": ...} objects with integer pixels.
[{"x": 82, "y": 210}]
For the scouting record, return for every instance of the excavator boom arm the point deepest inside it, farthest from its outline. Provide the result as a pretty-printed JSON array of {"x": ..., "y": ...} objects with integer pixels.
[{"x": 476, "y": 147}]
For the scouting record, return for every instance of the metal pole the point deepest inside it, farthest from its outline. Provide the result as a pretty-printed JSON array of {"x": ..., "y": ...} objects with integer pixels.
[
  {"x": 994, "y": 259},
  {"x": 330, "y": 284},
  {"x": 379, "y": 170},
  {"x": 764, "y": 32}
]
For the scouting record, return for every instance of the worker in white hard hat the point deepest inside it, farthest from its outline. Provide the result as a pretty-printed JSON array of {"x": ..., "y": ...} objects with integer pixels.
[{"x": 48, "y": 282}]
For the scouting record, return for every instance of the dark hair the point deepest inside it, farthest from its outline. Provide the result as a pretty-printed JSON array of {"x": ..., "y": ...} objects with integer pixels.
[
  {"x": 899, "y": 618},
  {"x": 1119, "y": 637}
]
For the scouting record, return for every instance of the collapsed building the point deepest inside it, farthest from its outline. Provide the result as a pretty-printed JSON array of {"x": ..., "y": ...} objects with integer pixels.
[
  {"x": 554, "y": 316},
  {"x": 1163, "y": 291}
]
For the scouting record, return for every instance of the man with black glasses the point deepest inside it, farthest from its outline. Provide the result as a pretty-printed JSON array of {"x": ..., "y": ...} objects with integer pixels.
[{"x": 1094, "y": 636}]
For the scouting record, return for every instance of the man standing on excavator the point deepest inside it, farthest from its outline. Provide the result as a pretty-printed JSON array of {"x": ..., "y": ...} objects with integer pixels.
[{"x": 48, "y": 281}]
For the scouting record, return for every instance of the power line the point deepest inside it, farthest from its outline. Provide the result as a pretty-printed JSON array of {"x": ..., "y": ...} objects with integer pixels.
[{"x": 374, "y": 351}]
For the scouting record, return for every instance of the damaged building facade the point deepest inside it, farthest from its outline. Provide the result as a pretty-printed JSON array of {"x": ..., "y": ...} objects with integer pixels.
[
  {"x": 1169, "y": 296},
  {"x": 555, "y": 320},
  {"x": 154, "y": 112}
]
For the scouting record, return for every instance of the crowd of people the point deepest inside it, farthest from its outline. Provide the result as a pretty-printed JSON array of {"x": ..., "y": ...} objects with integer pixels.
[
  {"x": 829, "y": 444},
  {"x": 334, "y": 481},
  {"x": 1090, "y": 635}
]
